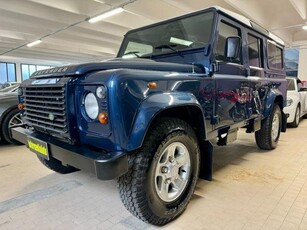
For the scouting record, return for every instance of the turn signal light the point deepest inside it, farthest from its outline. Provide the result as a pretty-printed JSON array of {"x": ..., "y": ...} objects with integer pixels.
[
  {"x": 103, "y": 118},
  {"x": 152, "y": 85},
  {"x": 20, "y": 106}
]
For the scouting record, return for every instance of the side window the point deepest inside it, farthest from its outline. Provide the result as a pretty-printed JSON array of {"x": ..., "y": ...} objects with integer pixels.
[
  {"x": 226, "y": 31},
  {"x": 274, "y": 56},
  {"x": 254, "y": 51}
]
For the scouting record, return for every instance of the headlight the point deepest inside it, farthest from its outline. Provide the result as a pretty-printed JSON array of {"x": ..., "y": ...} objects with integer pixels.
[
  {"x": 91, "y": 106},
  {"x": 289, "y": 102},
  {"x": 101, "y": 92}
]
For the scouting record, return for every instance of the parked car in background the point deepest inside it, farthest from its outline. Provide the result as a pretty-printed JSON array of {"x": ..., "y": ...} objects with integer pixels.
[
  {"x": 296, "y": 101},
  {"x": 7, "y": 88},
  {"x": 9, "y": 112},
  {"x": 5, "y": 85}
]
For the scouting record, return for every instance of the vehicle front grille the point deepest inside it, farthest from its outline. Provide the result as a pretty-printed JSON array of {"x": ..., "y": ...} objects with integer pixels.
[{"x": 45, "y": 109}]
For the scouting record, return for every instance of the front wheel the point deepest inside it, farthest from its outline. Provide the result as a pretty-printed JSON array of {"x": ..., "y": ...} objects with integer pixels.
[
  {"x": 267, "y": 137},
  {"x": 163, "y": 173},
  {"x": 11, "y": 120}
]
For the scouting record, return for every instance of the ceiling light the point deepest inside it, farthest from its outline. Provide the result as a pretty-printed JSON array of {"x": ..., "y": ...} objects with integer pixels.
[
  {"x": 34, "y": 43},
  {"x": 105, "y": 15},
  {"x": 304, "y": 27}
]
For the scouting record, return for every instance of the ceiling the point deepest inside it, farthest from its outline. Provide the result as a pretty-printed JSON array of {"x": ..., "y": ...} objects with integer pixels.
[{"x": 67, "y": 37}]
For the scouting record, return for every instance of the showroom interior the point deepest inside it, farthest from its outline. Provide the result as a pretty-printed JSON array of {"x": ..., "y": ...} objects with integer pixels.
[{"x": 249, "y": 188}]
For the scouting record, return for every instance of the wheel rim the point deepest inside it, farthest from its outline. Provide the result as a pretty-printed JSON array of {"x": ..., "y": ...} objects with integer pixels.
[
  {"x": 15, "y": 121},
  {"x": 275, "y": 127},
  {"x": 172, "y": 172},
  {"x": 297, "y": 116}
]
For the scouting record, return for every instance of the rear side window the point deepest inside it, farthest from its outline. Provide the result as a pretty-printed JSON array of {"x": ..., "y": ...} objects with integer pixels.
[
  {"x": 226, "y": 31},
  {"x": 274, "y": 56},
  {"x": 254, "y": 51}
]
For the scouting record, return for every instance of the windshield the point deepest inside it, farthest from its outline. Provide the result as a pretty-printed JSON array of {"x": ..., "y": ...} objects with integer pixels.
[
  {"x": 186, "y": 33},
  {"x": 291, "y": 83}
]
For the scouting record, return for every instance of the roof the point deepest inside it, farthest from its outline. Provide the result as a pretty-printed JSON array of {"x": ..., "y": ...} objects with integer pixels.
[{"x": 249, "y": 23}]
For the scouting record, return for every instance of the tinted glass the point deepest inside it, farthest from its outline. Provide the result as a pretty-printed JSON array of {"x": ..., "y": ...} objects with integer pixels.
[
  {"x": 274, "y": 56},
  {"x": 186, "y": 33},
  {"x": 225, "y": 31},
  {"x": 291, "y": 83},
  {"x": 254, "y": 51}
]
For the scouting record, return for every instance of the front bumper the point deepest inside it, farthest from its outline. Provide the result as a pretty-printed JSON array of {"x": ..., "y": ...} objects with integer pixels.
[
  {"x": 291, "y": 110},
  {"x": 106, "y": 166}
]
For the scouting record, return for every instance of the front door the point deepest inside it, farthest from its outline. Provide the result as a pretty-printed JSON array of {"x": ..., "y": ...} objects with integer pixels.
[{"x": 232, "y": 87}]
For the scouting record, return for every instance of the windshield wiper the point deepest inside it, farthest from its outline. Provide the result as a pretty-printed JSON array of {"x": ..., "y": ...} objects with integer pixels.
[
  {"x": 133, "y": 52},
  {"x": 171, "y": 47}
]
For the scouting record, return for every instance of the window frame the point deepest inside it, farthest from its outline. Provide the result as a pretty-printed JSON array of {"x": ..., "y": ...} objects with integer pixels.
[
  {"x": 7, "y": 72},
  {"x": 240, "y": 29},
  {"x": 282, "y": 54},
  {"x": 28, "y": 67},
  {"x": 260, "y": 50}
]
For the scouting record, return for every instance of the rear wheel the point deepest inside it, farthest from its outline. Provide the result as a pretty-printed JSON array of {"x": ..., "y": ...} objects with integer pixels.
[
  {"x": 56, "y": 165},
  {"x": 267, "y": 137},
  {"x": 163, "y": 173},
  {"x": 297, "y": 117},
  {"x": 11, "y": 120}
]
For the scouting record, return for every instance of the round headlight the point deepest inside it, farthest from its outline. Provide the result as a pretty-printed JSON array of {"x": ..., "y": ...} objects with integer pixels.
[
  {"x": 101, "y": 92},
  {"x": 91, "y": 106}
]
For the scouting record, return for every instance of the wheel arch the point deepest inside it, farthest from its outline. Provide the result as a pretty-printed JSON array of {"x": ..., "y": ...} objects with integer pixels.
[
  {"x": 181, "y": 106},
  {"x": 276, "y": 97}
]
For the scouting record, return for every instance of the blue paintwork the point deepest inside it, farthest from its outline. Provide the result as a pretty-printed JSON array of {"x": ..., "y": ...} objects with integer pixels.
[
  {"x": 151, "y": 107},
  {"x": 223, "y": 96}
]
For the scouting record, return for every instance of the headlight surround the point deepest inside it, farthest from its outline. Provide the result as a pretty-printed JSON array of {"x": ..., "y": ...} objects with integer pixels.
[
  {"x": 91, "y": 106},
  {"x": 289, "y": 102}
]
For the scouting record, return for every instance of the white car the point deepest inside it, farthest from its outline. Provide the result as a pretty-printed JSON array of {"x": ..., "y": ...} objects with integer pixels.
[{"x": 296, "y": 101}]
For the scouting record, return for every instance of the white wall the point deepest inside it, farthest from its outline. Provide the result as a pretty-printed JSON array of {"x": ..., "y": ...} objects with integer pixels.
[{"x": 302, "y": 65}]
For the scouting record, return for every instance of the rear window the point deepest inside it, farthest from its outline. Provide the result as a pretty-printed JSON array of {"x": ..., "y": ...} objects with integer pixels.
[{"x": 274, "y": 56}]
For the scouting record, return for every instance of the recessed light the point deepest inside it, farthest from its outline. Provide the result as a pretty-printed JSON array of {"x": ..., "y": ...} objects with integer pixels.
[
  {"x": 105, "y": 15},
  {"x": 304, "y": 27},
  {"x": 34, "y": 43}
]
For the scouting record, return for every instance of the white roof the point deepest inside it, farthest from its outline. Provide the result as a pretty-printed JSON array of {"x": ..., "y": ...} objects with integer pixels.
[{"x": 247, "y": 21}]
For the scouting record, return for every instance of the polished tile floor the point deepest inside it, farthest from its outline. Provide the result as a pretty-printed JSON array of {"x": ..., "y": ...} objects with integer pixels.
[{"x": 251, "y": 189}]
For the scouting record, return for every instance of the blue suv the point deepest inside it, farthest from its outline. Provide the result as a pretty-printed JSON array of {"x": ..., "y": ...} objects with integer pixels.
[{"x": 150, "y": 116}]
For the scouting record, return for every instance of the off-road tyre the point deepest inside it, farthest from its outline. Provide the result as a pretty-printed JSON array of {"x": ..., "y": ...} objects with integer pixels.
[
  {"x": 297, "y": 117},
  {"x": 5, "y": 126},
  {"x": 57, "y": 166},
  {"x": 137, "y": 187},
  {"x": 265, "y": 138}
]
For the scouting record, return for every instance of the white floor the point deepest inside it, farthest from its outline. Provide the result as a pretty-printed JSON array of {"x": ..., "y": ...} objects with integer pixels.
[{"x": 252, "y": 189}]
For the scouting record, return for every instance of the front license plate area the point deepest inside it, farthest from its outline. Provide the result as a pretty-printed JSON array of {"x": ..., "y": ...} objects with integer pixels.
[{"x": 39, "y": 147}]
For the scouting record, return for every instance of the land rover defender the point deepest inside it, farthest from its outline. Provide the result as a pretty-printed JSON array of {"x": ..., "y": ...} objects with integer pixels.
[{"x": 149, "y": 116}]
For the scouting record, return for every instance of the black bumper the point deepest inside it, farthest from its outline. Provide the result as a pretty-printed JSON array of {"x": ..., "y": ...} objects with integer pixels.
[{"x": 106, "y": 166}]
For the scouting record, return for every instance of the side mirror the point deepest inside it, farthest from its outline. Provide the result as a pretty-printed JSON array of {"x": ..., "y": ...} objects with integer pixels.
[{"x": 232, "y": 47}]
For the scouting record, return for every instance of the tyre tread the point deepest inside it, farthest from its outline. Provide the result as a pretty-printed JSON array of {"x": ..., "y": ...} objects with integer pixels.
[{"x": 130, "y": 184}]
